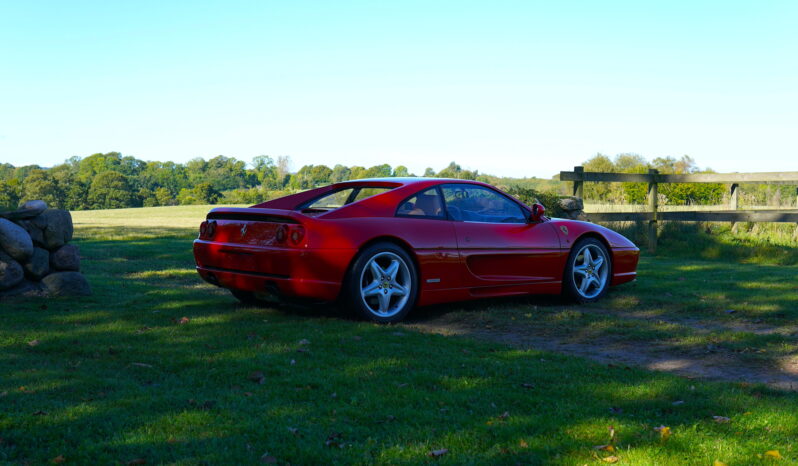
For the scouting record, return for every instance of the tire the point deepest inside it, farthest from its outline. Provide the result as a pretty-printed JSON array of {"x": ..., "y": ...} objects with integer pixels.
[
  {"x": 585, "y": 281},
  {"x": 382, "y": 284}
]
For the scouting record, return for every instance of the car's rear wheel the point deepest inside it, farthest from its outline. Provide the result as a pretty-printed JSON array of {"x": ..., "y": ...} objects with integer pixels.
[
  {"x": 381, "y": 285},
  {"x": 588, "y": 272}
]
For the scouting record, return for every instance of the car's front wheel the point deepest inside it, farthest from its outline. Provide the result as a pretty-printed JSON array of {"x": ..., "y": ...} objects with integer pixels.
[
  {"x": 588, "y": 272},
  {"x": 381, "y": 285}
]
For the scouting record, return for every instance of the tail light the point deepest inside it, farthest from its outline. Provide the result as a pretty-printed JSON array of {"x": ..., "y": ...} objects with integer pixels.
[
  {"x": 291, "y": 234},
  {"x": 297, "y": 233},
  {"x": 207, "y": 229},
  {"x": 282, "y": 233}
]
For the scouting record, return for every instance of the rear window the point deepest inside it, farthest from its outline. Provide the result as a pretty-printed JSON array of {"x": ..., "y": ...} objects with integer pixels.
[{"x": 342, "y": 197}]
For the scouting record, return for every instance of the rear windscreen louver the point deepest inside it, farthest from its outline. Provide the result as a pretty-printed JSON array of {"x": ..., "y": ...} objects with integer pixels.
[{"x": 250, "y": 217}]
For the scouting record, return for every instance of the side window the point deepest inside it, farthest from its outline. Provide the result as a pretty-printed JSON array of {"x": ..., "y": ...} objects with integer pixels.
[
  {"x": 331, "y": 201},
  {"x": 368, "y": 192},
  {"x": 427, "y": 204},
  {"x": 470, "y": 203}
]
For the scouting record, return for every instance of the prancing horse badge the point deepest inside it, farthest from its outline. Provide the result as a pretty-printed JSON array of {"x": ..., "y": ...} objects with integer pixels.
[{"x": 564, "y": 229}]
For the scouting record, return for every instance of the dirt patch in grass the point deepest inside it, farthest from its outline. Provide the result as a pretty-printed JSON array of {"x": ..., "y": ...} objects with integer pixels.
[{"x": 619, "y": 348}]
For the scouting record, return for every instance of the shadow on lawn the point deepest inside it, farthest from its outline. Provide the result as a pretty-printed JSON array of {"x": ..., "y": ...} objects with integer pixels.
[{"x": 117, "y": 376}]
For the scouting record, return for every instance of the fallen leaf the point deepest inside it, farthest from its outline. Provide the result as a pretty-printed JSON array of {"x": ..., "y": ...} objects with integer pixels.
[
  {"x": 304, "y": 342},
  {"x": 58, "y": 459},
  {"x": 664, "y": 432},
  {"x": 610, "y": 459},
  {"x": 609, "y": 448},
  {"x": 721, "y": 419},
  {"x": 612, "y": 434},
  {"x": 523, "y": 444},
  {"x": 719, "y": 463},
  {"x": 268, "y": 459},
  {"x": 773, "y": 454},
  {"x": 183, "y": 320},
  {"x": 334, "y": 440},
  {"x": 140, "y": 364},
  {"x": 257, "y": 377},
  {"x": 33, "y": 342},
  {"x": 505, "y": 415},
  {"x": 437, "y": 453}
]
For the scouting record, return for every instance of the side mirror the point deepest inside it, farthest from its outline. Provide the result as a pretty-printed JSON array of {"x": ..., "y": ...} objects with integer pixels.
[{"x": 537, "y": 212}]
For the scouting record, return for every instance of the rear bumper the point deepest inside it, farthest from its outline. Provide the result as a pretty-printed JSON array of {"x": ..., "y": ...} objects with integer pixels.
[{"x": 301, "y": 273}]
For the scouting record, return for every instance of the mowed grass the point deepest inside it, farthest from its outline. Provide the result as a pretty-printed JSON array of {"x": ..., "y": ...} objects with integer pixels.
[{"x": 161, "y": 367}]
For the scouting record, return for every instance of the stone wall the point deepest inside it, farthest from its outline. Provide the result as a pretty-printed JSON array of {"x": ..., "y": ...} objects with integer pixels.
[{"x": 35, "y": 257}]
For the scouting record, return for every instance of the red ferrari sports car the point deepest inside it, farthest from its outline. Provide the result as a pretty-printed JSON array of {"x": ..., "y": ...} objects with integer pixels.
[{"x": 386, "y": 245}]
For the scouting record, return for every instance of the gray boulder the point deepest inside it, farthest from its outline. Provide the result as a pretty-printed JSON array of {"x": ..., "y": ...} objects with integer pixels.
[
  {"x": 29, "y": 209},
  {"x": 66, "y": 257},
  {"x": 24, "y": 288},
  {"x": 15, "y": 240},
  {"x": 57, "y": 227},
  {"x": 36, "y": 233},
  {"x": 571, "y": 203},
  {"x": 38, "y": 265},
  {"x": 11, "y": 272},
  {"x": 66, "y": 284},
  {"x": 39, "y": 206}
]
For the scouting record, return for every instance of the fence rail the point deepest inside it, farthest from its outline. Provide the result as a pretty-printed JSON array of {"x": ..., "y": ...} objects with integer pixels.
[{"x": 653, "y": 178}]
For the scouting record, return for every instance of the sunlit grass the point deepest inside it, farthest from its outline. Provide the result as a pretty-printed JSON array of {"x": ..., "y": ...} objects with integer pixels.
[{"x": 117, "y": 377}]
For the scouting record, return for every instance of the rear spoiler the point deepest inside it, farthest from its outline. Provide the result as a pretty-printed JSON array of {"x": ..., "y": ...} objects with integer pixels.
[{"x": 256, "y": 214}]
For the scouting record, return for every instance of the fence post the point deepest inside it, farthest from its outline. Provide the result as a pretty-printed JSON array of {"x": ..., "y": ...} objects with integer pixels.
[
  {"x": 579, "y": 190},
  {"x": 652, "y": 207},
  {"x": 733, "y": 198}
]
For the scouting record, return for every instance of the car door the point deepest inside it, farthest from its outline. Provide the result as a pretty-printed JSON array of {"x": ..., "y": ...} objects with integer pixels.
[
  {"x": 497, "y": 245},
  {"x": 423, "y": 223}
]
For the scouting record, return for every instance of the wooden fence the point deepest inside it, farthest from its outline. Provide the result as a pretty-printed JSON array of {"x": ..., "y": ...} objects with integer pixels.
[{"x": 653, "y": 178}]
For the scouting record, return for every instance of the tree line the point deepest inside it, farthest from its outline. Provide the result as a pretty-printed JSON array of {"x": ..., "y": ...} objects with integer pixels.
[
  {"x": 112, "y": 180},
  {"x": 675, "y": 193}
]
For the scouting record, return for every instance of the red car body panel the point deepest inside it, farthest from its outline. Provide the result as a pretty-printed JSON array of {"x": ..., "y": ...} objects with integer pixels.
[{"x": 455, "y": 260}]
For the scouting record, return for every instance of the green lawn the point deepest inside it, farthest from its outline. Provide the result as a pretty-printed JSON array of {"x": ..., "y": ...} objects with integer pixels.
[{"x": 122, "y": 376}]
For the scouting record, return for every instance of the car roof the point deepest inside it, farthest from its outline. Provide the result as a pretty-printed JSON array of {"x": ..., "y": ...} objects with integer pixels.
[{"x": 407, "y": 180}]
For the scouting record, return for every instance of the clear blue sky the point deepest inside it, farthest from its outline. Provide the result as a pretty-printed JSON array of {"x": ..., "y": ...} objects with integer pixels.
[{"x": 510, "y": 88}]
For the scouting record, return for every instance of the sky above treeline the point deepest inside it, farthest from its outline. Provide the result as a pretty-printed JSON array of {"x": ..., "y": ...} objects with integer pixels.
[{"x": 512, "y": 88}]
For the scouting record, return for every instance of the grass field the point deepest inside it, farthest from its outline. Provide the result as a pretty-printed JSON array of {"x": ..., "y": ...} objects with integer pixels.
[{"x": 158, "y": 366}]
